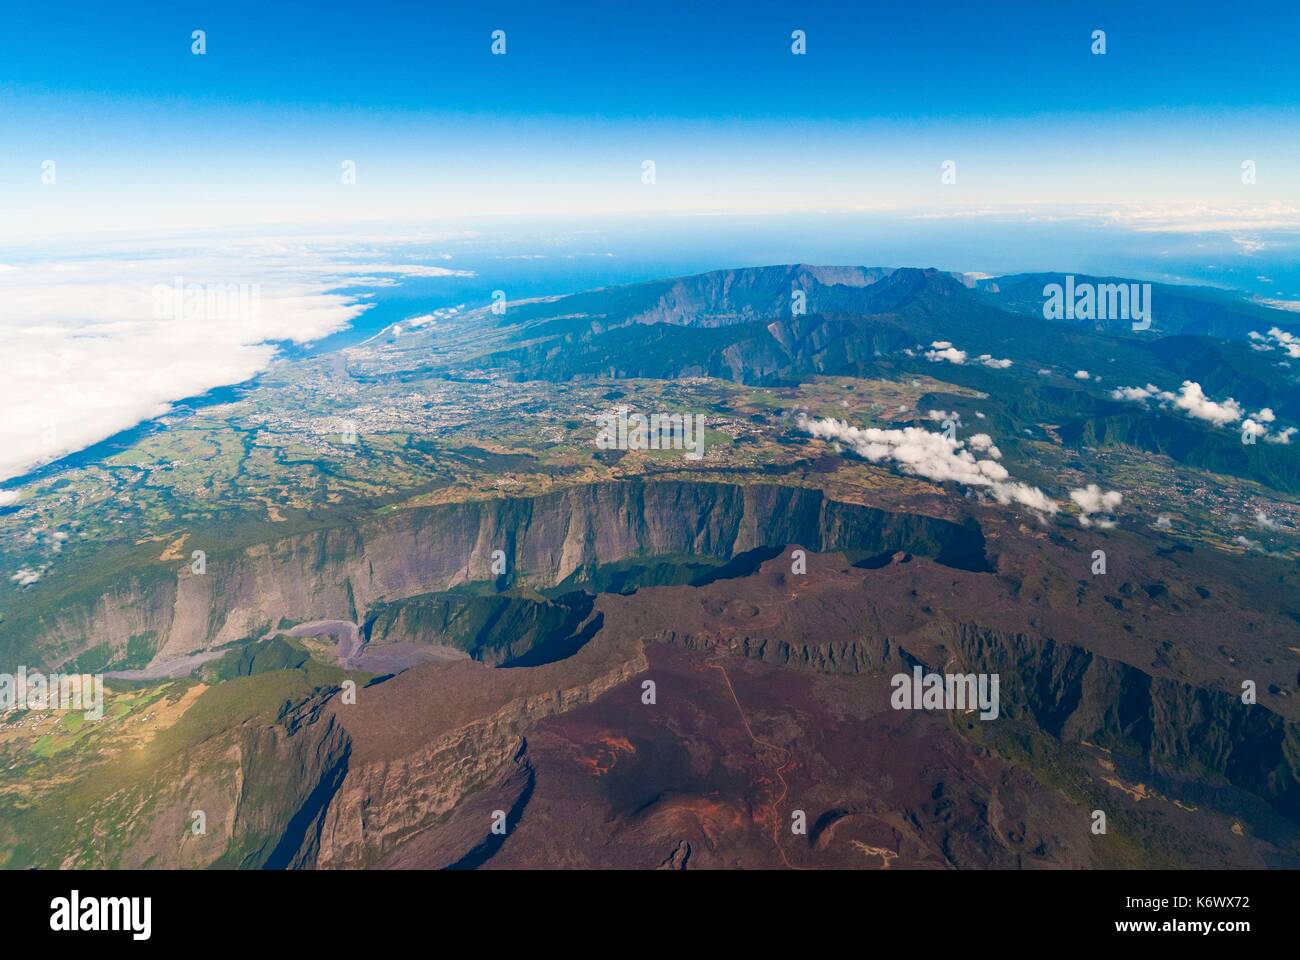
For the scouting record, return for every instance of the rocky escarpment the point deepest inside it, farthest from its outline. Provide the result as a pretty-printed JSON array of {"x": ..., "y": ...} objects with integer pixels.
[
  {"x": 419, "y": 753},
  {"x": 1176, "y": 728},
  {"x": 341, "y": 572},
  {"x": 1074, "y": 696}
]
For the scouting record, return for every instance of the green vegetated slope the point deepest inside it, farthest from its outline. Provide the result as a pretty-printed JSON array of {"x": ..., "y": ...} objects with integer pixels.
[
  {"x": 248, "y": 752},
  {"x": 1218, "y": 451}
]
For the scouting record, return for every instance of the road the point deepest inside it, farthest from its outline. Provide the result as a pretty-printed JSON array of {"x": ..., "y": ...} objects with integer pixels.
[{"x": 781, "y": 754}]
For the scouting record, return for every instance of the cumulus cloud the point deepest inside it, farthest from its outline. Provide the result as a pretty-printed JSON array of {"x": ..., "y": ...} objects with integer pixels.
[
  {"x": 1191, "y": 399},
  {"x": 1282, "y": 436},
  {"x": 1251, "y": 428},
  {"x": 929, "y": 454},
  {"x": 8, "y": 498},
  {"x": 94, "y": 344},
  {"x": 1081, "y": 375},
  {"x": 1139, "y": 394},
  {"x": 984, "y": 444},
  {"x": 1277, "y": 339},
  {"x": 1092, "y": 500},
  {"x": 943, "y": 350}
]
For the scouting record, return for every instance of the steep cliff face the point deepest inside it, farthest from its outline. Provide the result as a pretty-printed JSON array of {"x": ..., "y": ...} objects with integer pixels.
[
  {"x": 342, "y": 572},
  {"x": 412, "y": 767},
  {"x": 95, "y": 627},
  {"x": 1177, "y": 728},
  {"x": 728, "y": 297},
  {"x": 289, "y": 773},
  {"x": 1072, "y": 695},
  {"x": 496, "y": 629}
]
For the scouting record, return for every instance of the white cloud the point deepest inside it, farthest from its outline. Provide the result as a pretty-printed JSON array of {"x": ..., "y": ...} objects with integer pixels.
[
  {"x": 1277, "y": 339},
  {"x": 932, "y": 455},
  {"x": 1289, "y": 342},
  {"x": 1262, "y": 519},
  {"x": 94, "y": 344},
  {"x": 1139, "y": 394},
  {"x": 943, "y": 350},
  {"x": 1250, "y": 427},
  {"x": 1199, "y": 218},
  {"x": 984, "y": 444},
  {"x": 1081, "y": 374},
  {"x": 1282, "y": 436},
  {"x": 1092, "y": 500},
  {"x": 8, "y": 498},
  {"x": 1191, "y": 399}
]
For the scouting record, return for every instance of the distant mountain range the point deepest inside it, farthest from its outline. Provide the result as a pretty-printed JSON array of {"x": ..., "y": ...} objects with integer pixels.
[{"x": 781, "y": 324}]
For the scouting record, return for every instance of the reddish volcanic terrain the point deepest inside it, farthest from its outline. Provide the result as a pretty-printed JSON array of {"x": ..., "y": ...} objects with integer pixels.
[
  {"x": 713, "y": 779},
  {"x": 772, "y": 696}
]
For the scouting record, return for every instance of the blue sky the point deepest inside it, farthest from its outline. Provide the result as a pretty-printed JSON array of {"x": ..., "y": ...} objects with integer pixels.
[
  {"x": 619, "y": 60},
  {"x": 147, "y": 135}
]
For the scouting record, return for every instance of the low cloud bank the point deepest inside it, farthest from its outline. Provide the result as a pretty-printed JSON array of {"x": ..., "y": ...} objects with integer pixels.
[
  {"x": 93, "y": 345},
  {"x": 933, "y": 456}
]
